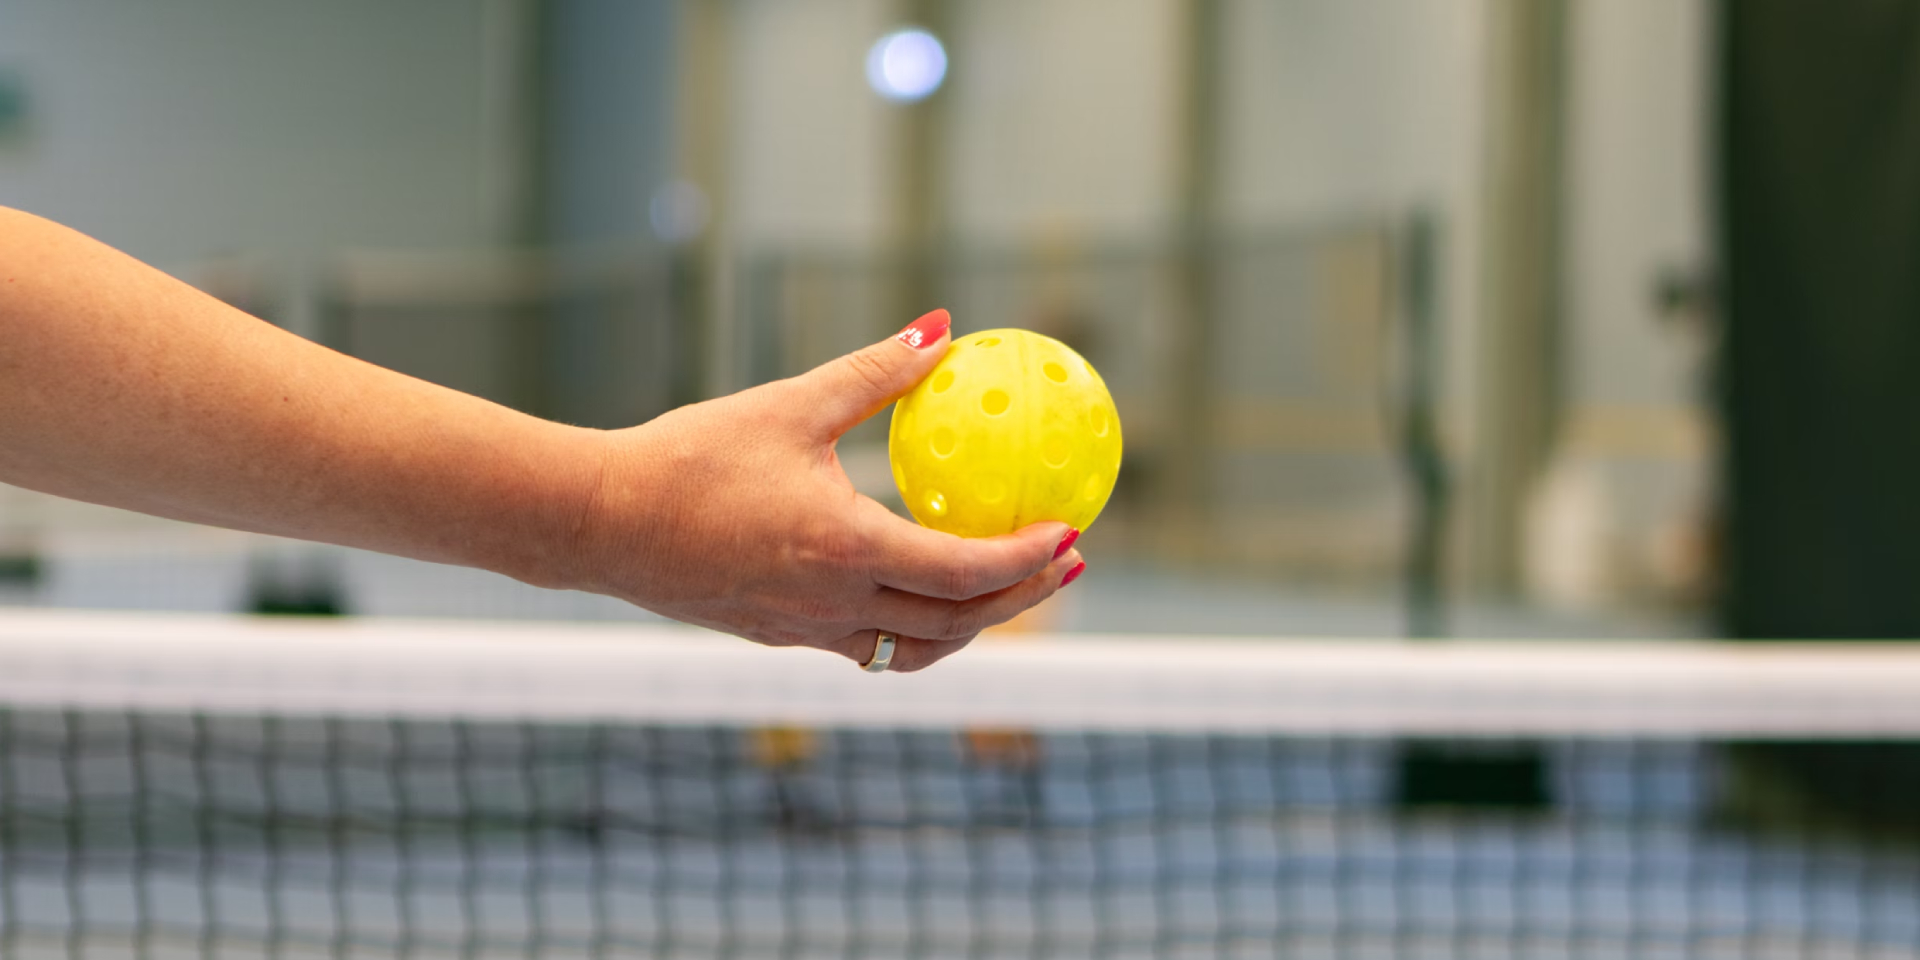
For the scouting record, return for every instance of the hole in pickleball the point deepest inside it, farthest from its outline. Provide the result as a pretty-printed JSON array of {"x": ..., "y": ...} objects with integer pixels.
[
  {"x": 1056, "y": 451},
  {"x": 1055, "y": 372},
  {"x": 1100, "y": 422},
  {"x": 992, "y": 489},
  {"x": 936, "y": 504},
  {"x": 942, "y": 443},
  {"x": 987, "y": 342},
  {"x": 995, "y": 402},
  {"x": 1094, "y": 488},
  {"x": 941, "y": 381}
]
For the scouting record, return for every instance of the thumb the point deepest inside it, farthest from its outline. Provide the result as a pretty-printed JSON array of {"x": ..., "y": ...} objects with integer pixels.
[{"x": 852, "y": 388}]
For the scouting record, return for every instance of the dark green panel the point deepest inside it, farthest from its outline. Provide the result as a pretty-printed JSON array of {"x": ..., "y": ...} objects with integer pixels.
[{"x": 1820, "y": 206}]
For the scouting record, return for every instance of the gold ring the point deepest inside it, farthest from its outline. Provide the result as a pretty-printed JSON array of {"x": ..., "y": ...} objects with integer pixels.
[{"x": 882, "y": 653}]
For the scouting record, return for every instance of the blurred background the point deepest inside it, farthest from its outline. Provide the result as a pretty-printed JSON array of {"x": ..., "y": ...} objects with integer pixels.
[
  {"x": 1412, "y": 310},
  {"x": 1576, "y": 319},
  {"x": 1404, "y": 304}
]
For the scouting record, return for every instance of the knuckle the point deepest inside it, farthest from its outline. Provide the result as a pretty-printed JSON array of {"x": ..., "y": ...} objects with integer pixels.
[
  {"x": 830, "y": 541},
  {"x": 958, "y": 620},
  {"x": 817, "y": 608},
  {"x": 821, "y": 603},
  {"x": 843, "y": 550},
  {"x": 960, "y": 582},
  {"x": 1040, "y": 586},
  {"x": 866, "y": 369}
]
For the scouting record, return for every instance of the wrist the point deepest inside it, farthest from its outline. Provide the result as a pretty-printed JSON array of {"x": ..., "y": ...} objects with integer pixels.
[
  {"x": 546, "y": 503},
  {"x": 621, "y": 524}
]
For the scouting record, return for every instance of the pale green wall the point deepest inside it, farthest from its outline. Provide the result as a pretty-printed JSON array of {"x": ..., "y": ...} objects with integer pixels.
[{"x": 191, "y": 129}]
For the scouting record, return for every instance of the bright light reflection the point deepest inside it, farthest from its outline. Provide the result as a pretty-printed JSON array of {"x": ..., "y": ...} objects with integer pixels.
[{"x": 906, "y": 65}]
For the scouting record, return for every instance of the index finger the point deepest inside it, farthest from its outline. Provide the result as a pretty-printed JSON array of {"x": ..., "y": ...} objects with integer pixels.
[{"x": 910, "y": 557}]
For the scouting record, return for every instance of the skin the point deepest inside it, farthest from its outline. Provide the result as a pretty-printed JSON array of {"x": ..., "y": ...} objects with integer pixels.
[{"x": 122, "y": 386}]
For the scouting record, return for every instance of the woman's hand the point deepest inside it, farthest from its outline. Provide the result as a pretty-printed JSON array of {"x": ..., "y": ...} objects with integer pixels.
[
  {"x": 735, "y": 514},
  {"x": 123, "y": 386}
]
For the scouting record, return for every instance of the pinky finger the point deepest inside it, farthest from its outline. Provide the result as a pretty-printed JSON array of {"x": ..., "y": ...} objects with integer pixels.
[{"x": 912, "y": 655}]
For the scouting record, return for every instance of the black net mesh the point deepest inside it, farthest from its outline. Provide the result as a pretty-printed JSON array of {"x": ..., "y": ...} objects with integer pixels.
[{"x": 175, "y": 834}]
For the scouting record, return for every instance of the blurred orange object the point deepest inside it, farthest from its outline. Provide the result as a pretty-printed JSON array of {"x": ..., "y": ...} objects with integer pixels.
[
  {"x": 779, "y": 748},
  {"x": 1002, "y": 748}
]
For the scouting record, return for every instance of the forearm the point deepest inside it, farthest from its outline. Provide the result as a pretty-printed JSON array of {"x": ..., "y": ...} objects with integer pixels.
[{"x": 122, "y": 386}]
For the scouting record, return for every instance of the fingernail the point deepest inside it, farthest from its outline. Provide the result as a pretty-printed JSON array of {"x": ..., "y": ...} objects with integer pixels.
[
  {"x": 1066, "y": 543},
  {"x": 926, "y": 331},
  {"x": 1073, "y": 574}
]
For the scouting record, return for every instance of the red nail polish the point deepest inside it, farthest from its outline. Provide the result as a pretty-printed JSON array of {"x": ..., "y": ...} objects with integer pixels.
[
  {"x": 1073, "y": 574},
  {"x": 1066, "y": 543},
  {"x": 927, "y": 330}
]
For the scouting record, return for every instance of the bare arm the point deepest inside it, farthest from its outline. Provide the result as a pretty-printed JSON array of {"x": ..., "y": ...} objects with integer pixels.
[{"x": 123, "y": 386}]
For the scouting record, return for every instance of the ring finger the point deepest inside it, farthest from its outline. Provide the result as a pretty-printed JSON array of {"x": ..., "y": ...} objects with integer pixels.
[{"x": 909, "y": 653}]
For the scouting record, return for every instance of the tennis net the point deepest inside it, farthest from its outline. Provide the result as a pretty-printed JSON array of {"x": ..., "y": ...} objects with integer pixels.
[{"x": 221, "y": 787}]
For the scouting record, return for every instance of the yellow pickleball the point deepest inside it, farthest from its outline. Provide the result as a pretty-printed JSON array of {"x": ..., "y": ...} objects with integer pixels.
[{"x": 1011, "y": 428}]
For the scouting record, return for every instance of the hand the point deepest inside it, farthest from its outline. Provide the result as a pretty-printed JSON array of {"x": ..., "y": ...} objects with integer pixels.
[{"x": 735, "y": 514}]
